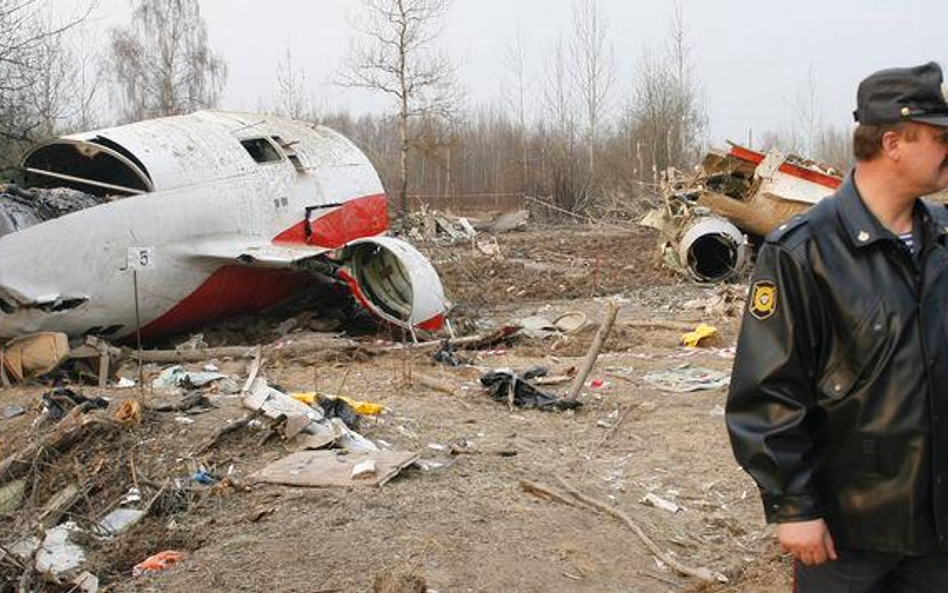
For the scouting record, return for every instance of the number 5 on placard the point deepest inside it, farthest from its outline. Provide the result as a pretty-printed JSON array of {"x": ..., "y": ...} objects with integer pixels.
[{"x": 141, "y": 258}]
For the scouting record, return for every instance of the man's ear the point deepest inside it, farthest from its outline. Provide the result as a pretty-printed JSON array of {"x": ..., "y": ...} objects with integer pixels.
[{"x": 892, "y": 145}]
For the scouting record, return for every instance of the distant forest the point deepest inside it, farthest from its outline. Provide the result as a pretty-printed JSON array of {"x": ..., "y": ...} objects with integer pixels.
[{"x": 551, "y": 142}]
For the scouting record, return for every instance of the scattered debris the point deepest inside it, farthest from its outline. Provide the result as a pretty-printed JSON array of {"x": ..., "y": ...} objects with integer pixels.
[
  {"x": 11, "y": 495},
  {"x": 447, "y": 354},
  {"x": 306, "y": 442},
  {"x": 504, "y": 222},
  {"x": 86, "y": 582},
  {"x": 129, "y": 413},
  {"x": 364, "y": 468},
  {"x": 176, "y": 376},
  {"x": 685, "y": 378},
  {"x": 59, "y": 504},
  {"x": 12, "y": 411},
  {"x": 58, "y": 555},
  {"x": 430, "y": 464},
  {"x": 192, "y": 403},
  {"x": 203, "y": 477},
  {"x": 359, "y": 407},
  {"x": 701, "y": 336},
  {"x": 653, "y": 500},
  {"x": 158, "y": 562},
  {"x": 59, "y": 402},
  {"x": 337, "y": 407},
  {"x": 705, "y": 215},
  {"x": 119, "y": 521},
  {"x": 504, "y": 385},
  {"x": 430, "y": 225},
  {"x": 537, "y": 328},
  {"x": 275, "y": 404},
  {"x": 571, "y": 322},
  {"x": 33, "y": 355},
  {"x": 133, "y": 496},
  {"x": 728, "y": 301},
  {"x": 490, "y": 247}
]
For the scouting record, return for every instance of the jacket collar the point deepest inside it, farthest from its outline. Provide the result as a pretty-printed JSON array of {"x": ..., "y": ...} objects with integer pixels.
[{"x": 864, "y": 229}]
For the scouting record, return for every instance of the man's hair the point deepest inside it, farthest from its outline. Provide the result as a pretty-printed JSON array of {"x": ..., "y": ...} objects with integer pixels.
[{"x": 867, "y": 139}]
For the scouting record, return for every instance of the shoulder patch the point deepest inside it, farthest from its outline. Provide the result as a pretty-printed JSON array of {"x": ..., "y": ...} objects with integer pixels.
[
  {"x": 763, "y": 301},
  {"x": 785, "y": 228}
]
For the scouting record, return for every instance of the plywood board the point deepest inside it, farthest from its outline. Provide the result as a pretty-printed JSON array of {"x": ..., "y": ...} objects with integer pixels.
[{"x": 333, "y": 468}]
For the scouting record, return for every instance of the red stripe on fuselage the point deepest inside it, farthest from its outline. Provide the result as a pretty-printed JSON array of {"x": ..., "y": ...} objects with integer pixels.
[
  {"x": 231, "y": 290},
  {"x": 820, "y": 178},
  {"x": 361, "y": 217}
]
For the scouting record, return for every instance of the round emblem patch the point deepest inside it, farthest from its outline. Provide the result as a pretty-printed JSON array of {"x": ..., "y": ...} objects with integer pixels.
[{"x": 763, "y": 299}]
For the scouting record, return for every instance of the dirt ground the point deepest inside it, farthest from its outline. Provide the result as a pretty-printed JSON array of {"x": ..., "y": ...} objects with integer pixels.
[{"x": 465, "y": 522}]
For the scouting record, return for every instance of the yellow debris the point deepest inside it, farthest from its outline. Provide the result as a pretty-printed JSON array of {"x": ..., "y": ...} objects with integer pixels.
[
  {"x": 693, "y": 339},
  {"x": 308, "y": 398},
  {"x": 363, "y": 408}
]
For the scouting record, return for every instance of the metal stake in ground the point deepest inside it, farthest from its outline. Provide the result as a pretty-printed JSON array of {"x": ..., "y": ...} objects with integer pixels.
[
  {"x": 139, "y": 258},
  {"x": 138, "y": 337}
]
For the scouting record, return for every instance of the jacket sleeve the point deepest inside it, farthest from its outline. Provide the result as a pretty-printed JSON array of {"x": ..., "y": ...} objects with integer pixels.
[{"x": 771, "y": 392}]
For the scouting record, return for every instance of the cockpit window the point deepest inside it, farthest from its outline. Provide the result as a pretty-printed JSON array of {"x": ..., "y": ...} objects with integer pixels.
[{"x": 261, "y": 150}]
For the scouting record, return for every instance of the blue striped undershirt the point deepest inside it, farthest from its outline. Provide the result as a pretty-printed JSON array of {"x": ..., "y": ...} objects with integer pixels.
[{"x": 908, "y": 240}]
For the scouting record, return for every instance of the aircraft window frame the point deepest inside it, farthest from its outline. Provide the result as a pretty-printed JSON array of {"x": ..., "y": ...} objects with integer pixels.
[
  {"x": 274, "y": 154},
  {"x": 289, "y": 152}
]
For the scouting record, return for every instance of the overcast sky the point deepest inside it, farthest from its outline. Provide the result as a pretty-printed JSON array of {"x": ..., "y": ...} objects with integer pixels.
[{"x": 750, "y": 58}]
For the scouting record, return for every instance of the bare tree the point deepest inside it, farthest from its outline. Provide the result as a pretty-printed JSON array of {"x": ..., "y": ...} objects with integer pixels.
[
  {"x": 834, "y": 146},
  {"x": 690, "y": 117},
  {"x": 592, "y": 69},
  {"x": 558, "y": 99},
  {"x": 29, "y": 38},
  {"x": 665, "y": 120},
  {"x": 291, "y": 89},
  {"x": 807, "y": 116},
  {"x": 515, "y": 88},
  {"x": 559, "y": 107},
  {"x": 65, "y": 90},
  {"x": 395, "y": 55},
  {"x": 162, "y": 63},
  {"x": 805, "y": 134},
  {"x": 19, "y": 48}
]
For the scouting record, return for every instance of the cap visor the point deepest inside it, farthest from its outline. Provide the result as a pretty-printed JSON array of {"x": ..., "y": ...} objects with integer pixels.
[{"x": 932, "y": 120}]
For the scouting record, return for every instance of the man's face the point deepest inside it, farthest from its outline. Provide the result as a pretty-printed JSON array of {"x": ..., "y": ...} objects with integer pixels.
[{"x": 924, "y": 158}]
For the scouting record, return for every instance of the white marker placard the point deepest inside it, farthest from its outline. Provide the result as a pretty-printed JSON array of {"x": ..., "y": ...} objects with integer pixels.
[{"x": 140, "y": 258}]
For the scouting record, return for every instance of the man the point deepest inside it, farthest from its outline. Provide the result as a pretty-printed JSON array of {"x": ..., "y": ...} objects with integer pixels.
[{"x": 839, "y": 396}]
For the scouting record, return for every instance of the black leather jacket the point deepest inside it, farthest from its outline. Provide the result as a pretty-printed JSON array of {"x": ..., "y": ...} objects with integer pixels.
[{"x": 839, "y": 395}]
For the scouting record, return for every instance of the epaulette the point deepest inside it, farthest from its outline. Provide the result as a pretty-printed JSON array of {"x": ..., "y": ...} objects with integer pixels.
[{"x": 785, "y": 229}]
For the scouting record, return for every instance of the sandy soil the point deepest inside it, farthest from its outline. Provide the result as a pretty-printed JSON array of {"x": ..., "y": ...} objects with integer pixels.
[{"x": 468, "y": 525}]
